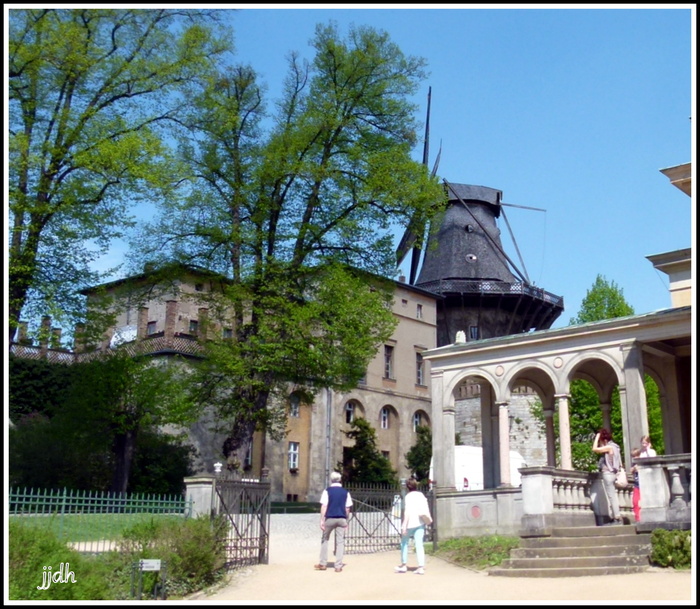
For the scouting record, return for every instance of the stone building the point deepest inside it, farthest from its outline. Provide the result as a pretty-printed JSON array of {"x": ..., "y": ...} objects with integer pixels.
[{"x": 170, "y": 317}]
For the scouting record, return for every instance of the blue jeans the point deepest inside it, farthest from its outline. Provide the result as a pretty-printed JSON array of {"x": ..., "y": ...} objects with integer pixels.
[{"x": 417, "y": 533}]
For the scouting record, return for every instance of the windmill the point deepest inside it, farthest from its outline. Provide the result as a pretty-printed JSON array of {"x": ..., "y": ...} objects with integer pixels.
[{"x": 466, "y": 265}]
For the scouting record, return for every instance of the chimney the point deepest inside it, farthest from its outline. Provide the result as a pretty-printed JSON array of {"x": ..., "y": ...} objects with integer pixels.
[
  {"x": 142, "y": 323},
  {"x": 79, "y": 338},
  {"x": 44, "y": 332},
  {"x": 170, "y": 321},
  {"x": 55, "y": 341}
]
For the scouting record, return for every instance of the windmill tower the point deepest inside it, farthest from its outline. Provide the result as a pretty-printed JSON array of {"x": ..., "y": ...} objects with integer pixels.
[{"x": 466, "y": 264}]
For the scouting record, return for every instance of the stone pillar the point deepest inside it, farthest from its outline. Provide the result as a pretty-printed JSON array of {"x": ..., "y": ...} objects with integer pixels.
[
  {"x": 538, "y": 501},
  {"x": 142, "y": 323},
  {"x": 550, "y": 436},
  {"x": 605, "y": 411},
  {"x": 443, "y": 435},
  {"x": 633, "y": 401},
  {"x": 201, "y": 491},
  {"x": 564, "y": 430},
  {"x": 504, "y": 443},
  {"x": 170, "y": 321}
]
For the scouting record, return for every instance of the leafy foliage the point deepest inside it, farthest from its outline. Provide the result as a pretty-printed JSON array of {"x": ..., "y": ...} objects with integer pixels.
[
  {"x": 604, "y": 300},
  {"x": 672, "y": 548},
  {"x": 419, "y": 455},
  {"x": 364, "y": 461},
  {"x": 297, "y": 211},
  {"x": 89, "y": 90}
]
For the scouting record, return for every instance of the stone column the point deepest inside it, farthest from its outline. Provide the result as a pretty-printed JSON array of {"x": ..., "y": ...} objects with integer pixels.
[
  {"x": 550, "y": 436},
  {"x": 564, "y": 430},
  {"x": 443, "y": 413},
  {"x": 605, "y": 411},
  {"x": 504, "y": 443},
  {"x": 633, "y": 401}
]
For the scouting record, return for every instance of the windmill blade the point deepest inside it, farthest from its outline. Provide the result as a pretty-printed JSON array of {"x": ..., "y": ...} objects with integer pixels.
[{"x": 433, "y": 173}]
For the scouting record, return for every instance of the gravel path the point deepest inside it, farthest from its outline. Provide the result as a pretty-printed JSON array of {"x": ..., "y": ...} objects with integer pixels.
[{"x": 294, "y": 547}]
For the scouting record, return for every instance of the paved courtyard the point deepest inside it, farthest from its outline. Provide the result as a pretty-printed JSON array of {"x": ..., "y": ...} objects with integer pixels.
[{"x": 289, "y": 578}]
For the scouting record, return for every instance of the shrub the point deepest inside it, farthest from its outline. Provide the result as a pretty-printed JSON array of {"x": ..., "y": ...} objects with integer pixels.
[
  {"x": 193, "y": 550},
  {"x": 671, "y": 548},
  {"x": 32, "y": 549}
]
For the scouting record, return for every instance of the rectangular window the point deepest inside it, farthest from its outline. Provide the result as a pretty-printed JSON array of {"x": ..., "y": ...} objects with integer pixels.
[
  {"x": 293, "y": 455},
  {"x": 385, "y": 453},
  {"x": 419, "y": 311},
  {"x": 420, "y": 370},
  {"x": 294, "y": 402},
  {"x": 384, "y": 418},
  {"x": 474, "y": 332},
  {"x": 150, "y": 328},
  {"x": 194, "y": 326},
  {"x": 388, "y": 362},
  {"x": 227, "y": 333}
]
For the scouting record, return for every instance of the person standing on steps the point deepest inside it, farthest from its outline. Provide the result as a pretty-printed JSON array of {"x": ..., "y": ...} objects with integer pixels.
[
  {"x": 646, "y": 450},
  {"x": 636, "y": 495},
  {"x": 609, "y": 464},
  {"x": 416, "y": 516},
  {"x": 336, "y": 503}
]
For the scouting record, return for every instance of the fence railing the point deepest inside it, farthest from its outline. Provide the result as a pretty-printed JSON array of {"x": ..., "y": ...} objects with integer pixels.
[{"x": 92, "y": 521}]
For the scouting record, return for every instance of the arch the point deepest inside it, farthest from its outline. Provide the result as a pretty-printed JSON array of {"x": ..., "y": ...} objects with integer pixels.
[
  {"x": 352, "y": 409},
  {"x": 420, "y": 417},
  {"x": 587, "y": 366},
  {"x": 388, "y": 417}
]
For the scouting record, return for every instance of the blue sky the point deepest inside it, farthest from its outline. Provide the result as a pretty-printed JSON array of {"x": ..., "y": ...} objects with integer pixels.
[{"x": 571, "y": 110}]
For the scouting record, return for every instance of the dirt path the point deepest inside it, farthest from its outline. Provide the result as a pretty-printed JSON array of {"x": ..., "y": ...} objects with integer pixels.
[{"x": 294, "y": 545}]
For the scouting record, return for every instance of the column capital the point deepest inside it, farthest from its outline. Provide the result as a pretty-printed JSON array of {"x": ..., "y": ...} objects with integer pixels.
[{"x": 560, "y": 396}]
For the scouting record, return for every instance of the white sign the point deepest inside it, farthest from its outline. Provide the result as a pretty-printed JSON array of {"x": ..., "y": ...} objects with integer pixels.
[{"x": 150, "y": 564}]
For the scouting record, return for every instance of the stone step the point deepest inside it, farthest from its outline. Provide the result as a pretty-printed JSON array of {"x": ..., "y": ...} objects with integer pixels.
[
  {"x": 582, "y": 542},
  {"x": 567, "y": 571},
  {"x": 595, "y": 531},
  {"x": 571, "y": 562},
  {"x": 565, "y": 551}
]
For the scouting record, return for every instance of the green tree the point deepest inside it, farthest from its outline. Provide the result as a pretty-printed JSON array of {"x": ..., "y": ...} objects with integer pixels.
[
  {"x": 118, "y": 396},
  {"x": 419, "y": 455},
  {"x": 298, "y": 211},
  {"x": 88, "y": 92},
  {"x": 364, "y": 461},
  {"x": 604, "y": 300}
]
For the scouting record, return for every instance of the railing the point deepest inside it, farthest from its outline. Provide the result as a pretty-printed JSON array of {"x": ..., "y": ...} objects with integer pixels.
[
  {"x": 664, "y": 485},
  {"x": 556, "y": 497},
  {"x": 92, "y": 521}
]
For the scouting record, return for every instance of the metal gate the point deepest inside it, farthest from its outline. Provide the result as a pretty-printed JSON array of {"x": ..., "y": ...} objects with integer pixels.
[
  {"x": 245, "y": 504},
  {"x": 375, "y": 520}
]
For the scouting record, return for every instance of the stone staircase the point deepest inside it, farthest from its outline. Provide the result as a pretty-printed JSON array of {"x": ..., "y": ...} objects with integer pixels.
[{"x": 579, "y": 551}]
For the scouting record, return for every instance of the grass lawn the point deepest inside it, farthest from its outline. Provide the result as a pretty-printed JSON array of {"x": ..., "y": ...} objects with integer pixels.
[{"x": 91, "y": 527}]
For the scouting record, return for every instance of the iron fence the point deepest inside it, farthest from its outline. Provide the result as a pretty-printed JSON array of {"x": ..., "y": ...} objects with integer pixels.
[{"x": 92, "y": 521}]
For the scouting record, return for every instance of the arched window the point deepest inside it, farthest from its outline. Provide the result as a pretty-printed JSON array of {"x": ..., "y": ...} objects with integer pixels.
[
  {"x": 349, "y": 411},
  {"x": 294, "y": 402},
  {"x": 384, "y": 416}
]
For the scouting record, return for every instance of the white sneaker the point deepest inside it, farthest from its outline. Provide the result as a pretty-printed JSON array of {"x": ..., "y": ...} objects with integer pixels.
[
  {"x": 401, "y": 569},
  {"x": 419, "y": 571}
]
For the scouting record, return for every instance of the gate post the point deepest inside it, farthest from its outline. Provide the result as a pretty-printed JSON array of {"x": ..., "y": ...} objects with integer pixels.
[{"x": 200, "y": 491}]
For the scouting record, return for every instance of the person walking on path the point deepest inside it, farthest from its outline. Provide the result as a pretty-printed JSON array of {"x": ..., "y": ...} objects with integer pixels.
[
  {"x": 416, "y": 515},
  {"x": 608, "y": 465},
  {"x": 335, "y": 509}
]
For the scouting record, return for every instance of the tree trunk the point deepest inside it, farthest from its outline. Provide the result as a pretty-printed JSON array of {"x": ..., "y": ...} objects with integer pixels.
[{"x": 124, "y": 447}]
